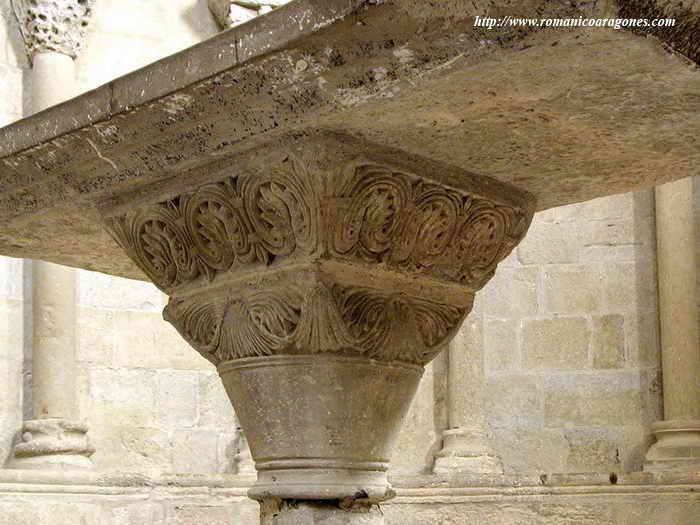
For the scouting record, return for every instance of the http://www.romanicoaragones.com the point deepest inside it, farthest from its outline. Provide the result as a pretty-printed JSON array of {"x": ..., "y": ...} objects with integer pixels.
[{"x": 616, "y": 23}]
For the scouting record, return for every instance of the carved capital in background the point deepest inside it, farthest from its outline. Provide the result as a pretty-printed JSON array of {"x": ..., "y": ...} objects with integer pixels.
[
  {"x": 333, "y": 251},
  {"x": 53, "y": 25},
  {"x": 230, "y": 13}
]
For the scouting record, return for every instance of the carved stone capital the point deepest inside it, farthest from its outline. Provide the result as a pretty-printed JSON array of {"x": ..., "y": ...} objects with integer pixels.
[
  {"x": 353, "y": 256},
  {"x": 229, "y": 13},
  {"x": 53, "y": 25},
  {"x": 320, "y": 276}
]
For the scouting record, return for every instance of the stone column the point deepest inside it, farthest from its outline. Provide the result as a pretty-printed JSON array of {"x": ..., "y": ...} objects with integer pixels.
[
  {"x": 320, "y": 280},
  {"x": 466, "y": 446},
  {"x": 53, "y": 31},
  {"x": 678, "y": 435}
]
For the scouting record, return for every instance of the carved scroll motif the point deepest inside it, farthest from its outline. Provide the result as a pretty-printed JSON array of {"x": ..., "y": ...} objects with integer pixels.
[
  {"x": 363, "y": 215},
  {"x": 408, "y": 223},
  {"x": 243, "y": 220}
]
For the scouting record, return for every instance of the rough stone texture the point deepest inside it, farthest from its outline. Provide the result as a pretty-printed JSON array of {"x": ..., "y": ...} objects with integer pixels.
[
  {"x": 13, "y": 91},
  {"x": 320, "y": 514},
  {"x": 54, "y": 26},
  {"x": 555, "y": 343},
  {"x": 395, "y": 76},
  {"x": 53, "y": 443},
  {"x": 297, "y": 279}
]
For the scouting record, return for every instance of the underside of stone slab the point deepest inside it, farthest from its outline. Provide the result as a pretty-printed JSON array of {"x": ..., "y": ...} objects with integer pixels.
[{"x": 564, "y": 114}]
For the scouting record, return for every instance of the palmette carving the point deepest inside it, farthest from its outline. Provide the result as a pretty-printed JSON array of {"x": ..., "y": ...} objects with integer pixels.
[{"x": 386, "y": 326}]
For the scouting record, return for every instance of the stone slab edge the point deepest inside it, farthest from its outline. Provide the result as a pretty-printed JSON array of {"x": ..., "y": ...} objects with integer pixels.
[{"x": 224, "y": 51}]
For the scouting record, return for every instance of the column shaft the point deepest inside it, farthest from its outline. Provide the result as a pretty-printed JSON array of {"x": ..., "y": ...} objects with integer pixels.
[
  {"x": 466, "y": 445},
  {"x": 678, "y": 435},
  {"x": 54, "y": 286},
  {"x": 678, "y": 310},
  {"x": 318, "y": 513},
  {"x": 54, "y": 439},
  {"x": 53, "y": 366}
]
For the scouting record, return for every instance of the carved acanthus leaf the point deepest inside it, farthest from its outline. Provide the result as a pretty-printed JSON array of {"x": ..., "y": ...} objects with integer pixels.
[
  {"x": 382, "y": 325},
  {"x": 361, "y": 216}
]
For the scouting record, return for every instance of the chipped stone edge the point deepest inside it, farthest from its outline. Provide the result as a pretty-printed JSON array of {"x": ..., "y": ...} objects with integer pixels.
[{"x": 226, "y": 50}]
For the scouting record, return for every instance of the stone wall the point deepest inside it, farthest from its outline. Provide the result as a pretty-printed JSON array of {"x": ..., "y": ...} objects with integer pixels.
[
  {"x": 13, "y": 90},
  {"x": 152, "y": 403},
  {"x": 571, "y": 342}
]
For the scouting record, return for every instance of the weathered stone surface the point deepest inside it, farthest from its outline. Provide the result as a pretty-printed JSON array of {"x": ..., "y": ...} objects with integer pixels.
[
  {"x": 556, "y": 343},
  {"x": 303, "y": 513},
  {"x": 305, "y": 281},
  {"x": 420, "y": 106},
  {"x": 513, "y": 294},
  {"x": 28, "y": 498},
  {"x": 513, "y": 401},
  {"x": 588, "y": 400},
  {"x": 549, "y": 243},
  {"x": 608, "y": 341},
  {"x": 501, "y": 345},
  {"x": 177, "y": 398},
  {"x": 572, "y": 289},
  {"x": 122, "y": 396},
  {"x": 53, "y": 444},
  {"x": 54, "y": 26},
  {"x": 195, "y": 452}
]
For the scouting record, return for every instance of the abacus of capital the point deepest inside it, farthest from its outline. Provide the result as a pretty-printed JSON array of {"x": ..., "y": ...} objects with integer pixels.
[{"x": 320, "y": 283}]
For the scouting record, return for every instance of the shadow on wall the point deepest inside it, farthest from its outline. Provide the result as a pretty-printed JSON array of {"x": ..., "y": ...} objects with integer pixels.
[{"x": 648, "y": 346}]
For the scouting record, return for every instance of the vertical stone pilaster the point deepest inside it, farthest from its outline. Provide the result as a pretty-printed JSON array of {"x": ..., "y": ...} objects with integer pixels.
[
  {"x": 466, "y": 441},
  {"x": 678, "y": 435}
]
